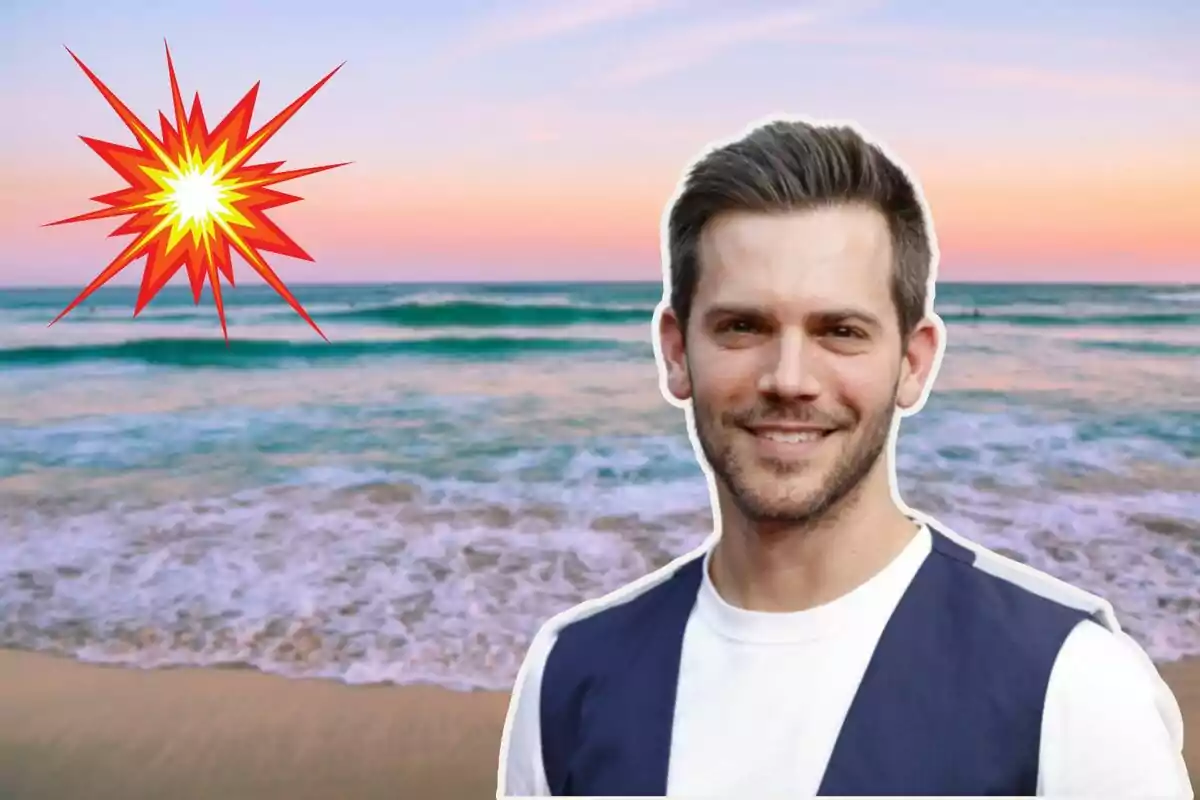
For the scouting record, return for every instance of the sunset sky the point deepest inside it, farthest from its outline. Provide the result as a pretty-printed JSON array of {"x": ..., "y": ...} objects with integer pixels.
[{"x": 535, "y": 141}]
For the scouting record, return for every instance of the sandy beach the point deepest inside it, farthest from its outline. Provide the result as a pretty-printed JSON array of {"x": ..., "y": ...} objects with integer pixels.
[{"x": 72, "y": 730}]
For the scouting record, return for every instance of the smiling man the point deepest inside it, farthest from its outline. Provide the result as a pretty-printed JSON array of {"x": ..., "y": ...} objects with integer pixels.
[{"x": 827, "y": 639}]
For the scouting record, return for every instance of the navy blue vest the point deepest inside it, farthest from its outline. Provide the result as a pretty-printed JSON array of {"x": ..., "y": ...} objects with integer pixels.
[{"x": 950, "y": 704}]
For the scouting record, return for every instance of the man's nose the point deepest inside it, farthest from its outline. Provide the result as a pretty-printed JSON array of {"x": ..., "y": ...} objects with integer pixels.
[{"x": 790, "y": 370}]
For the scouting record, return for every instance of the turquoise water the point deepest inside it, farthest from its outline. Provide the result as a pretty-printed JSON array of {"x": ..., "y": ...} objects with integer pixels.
[{"x": 410, "y": 500}]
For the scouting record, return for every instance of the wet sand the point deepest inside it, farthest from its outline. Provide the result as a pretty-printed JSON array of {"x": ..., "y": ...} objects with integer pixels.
[
  {"x": 1184, "y": 679},
  {"x": 71, "y": 730}
]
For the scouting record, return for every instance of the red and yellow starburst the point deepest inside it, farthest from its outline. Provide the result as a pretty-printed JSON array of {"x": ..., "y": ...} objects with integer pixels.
[{"x": 192, "y": 197}]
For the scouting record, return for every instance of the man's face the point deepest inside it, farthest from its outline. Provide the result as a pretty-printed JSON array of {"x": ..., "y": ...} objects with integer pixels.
[{"x": 793, "y": 357}]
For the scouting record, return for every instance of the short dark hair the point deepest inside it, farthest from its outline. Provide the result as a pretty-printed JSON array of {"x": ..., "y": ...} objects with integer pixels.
[{"x": 785, "y": 166}]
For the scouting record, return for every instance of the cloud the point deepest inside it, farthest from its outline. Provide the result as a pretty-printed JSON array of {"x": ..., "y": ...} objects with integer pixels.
[
  {"x": 980, "y": 58},
  {"x": 1100, "y": 66},
  {"x": 970, "y": 40},
  {"x": 551, "y": 21},
  {"x": 688, "y": 46},
  {"x": 561, "y": 119},
  {"x": 1088, "y": 83}
]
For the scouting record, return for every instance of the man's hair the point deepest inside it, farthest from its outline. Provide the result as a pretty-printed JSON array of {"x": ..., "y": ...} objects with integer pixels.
[{"x": 792, "y": 166}]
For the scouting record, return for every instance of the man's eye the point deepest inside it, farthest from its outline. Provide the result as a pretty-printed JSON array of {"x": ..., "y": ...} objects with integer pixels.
[
  {"x": 738, "y": 326},
  {"x": 846, "y": 332}
]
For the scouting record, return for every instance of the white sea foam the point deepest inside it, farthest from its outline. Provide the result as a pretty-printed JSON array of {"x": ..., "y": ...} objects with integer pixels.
[{"x": 446, "y": 581}]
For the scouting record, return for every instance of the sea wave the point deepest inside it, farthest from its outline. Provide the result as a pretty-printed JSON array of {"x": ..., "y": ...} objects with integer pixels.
[
  {"x": 215, "y": 352},
  {"x": 422, "y": 310},
  {"x": 468, "y": 312},
  {"x": 1144, "y": 348},
  {"x": 1076, "y": 318}
]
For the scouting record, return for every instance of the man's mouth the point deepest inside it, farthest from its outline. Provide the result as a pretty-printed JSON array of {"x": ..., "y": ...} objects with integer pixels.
[
  {"x": 782, "y": 428},
  {"x": 788, "y": 441},
  {"x": 792, "y": 436}
]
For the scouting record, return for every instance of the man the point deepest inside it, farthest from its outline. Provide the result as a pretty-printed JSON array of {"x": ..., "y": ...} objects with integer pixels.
[{"x": 827, "y": 639}]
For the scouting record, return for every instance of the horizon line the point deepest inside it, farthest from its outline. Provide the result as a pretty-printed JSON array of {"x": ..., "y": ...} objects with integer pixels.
[{"x": 585, "y": 281}]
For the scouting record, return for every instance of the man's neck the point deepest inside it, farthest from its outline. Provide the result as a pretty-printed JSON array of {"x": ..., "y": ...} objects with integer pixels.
[{"x": 778, "y": 568}]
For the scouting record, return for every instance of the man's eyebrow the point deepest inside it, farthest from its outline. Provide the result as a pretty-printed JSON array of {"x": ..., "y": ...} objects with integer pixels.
[
  {"x": 848, "y": 314},
  {"x": 734, "y": 310}
]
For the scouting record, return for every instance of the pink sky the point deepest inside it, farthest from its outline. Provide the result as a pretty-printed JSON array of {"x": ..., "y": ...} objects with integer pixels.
[{"x": 543, "y": 143}]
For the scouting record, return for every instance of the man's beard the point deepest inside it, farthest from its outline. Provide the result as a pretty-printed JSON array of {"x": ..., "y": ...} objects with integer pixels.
[{"x": 760, "y": 503}]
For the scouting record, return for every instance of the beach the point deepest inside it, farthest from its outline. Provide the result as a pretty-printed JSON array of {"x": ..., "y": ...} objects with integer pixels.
[
  {"x": 72, "y": 730},
  {"x": 283, "y": 566}
]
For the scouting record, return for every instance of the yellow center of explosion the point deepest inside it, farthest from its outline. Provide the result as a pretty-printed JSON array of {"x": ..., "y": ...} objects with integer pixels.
[
  {"x": 197, "y": 198},
  {"x": 197, "y": 195}
]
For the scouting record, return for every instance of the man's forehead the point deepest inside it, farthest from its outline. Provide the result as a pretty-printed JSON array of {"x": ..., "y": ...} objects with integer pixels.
[{"x": 838, "y": 254}]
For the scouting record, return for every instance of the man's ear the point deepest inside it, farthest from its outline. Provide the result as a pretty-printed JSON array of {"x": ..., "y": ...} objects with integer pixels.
[
  {"x": 671, "y": 342},
  {"x": 920, "y": 360}
]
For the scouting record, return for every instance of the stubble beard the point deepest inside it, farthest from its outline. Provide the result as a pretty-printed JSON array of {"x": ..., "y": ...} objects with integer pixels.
[{"x": 745, "y": 482}]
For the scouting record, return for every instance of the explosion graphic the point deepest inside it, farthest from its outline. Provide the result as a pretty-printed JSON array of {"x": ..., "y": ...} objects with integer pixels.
[{"x": 192, "y": 197}]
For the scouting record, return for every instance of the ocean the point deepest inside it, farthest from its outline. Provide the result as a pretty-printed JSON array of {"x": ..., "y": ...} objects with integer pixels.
[{"x": 409, "y": 501}]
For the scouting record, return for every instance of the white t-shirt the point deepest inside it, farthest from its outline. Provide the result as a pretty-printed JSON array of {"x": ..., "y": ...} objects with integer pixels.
[{"x": 752, "y": 685}]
